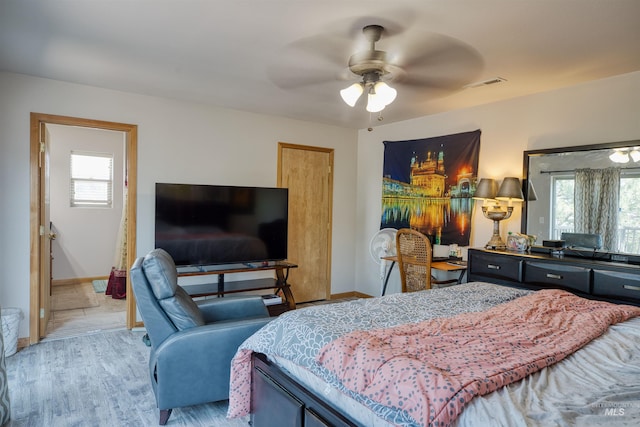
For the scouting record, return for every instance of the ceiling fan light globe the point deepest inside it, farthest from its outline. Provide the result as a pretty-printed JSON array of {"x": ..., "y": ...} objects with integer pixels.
[
  {"x": 351, "y": 94},
  {"x": 619, "y": 157},
  {"x": 385, "y": 92},
  {"x": 375, "y": 103},
  {"x": 635, "y": 155}
]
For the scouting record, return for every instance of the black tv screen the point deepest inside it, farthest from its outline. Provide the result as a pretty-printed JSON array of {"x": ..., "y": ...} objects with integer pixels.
[{"x": 215, "y": 224}]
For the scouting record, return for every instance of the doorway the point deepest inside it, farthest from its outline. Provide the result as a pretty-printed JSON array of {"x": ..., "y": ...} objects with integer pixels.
[
  {"x": 40, "y": 277},
  {"x": 308, "y": 174}
]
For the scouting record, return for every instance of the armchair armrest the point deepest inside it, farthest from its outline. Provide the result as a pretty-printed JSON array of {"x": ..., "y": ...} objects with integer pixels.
[
  {"x": 208, "y": 339},
  {"x": 232, "y": 307},
  {"x": 195, "y": 364}
]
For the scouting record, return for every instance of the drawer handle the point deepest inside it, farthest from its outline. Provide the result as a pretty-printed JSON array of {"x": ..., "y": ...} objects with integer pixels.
[
  {"x": 554, "y": 276},
  {"x": 493, "y": 267},
  {"x": 631, "y": 287}
]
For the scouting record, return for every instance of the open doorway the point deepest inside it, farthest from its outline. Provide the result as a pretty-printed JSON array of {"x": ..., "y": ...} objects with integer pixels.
[
  {"x": 87, "y": 188},
  {"x": 41, "y": 195}
]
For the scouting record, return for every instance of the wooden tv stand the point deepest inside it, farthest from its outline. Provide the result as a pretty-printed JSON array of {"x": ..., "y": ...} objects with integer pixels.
[{"x": 278, "y": 284}]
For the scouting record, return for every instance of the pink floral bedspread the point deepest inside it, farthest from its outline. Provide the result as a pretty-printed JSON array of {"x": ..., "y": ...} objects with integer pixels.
[{"x": 433, "y": 368}]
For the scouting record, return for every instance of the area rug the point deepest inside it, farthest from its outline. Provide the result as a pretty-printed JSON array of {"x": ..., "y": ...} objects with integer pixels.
[
  {"x": 70, "y": 297},
  {"x": 99, "y": 286}
]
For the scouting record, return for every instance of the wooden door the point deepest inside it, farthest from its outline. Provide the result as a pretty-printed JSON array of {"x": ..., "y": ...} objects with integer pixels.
[
  {"x": 45, "y": 231},
  {"x": 308, "y": 174}
]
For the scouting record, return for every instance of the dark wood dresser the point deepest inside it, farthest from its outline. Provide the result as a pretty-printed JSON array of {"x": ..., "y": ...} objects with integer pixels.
[{"x": 605, "y": 280}]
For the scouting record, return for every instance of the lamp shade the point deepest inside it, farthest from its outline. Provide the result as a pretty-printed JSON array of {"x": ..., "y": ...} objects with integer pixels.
[
  {"x": 487, "y": 188},
  {"x": 386, "y": 93},
  {"x": 510, "y": 189},
  {"x": 351, "y": 94},
  {"x": 374, "y": 103}
]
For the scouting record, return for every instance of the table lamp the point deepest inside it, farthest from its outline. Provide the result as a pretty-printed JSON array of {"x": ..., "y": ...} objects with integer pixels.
[{"x": 510, "y": 190}]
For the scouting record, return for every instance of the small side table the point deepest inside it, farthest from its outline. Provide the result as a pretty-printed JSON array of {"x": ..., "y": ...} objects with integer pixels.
[
  {"x": 436, "y": 265},
  {"x": 460, "y": 266}
]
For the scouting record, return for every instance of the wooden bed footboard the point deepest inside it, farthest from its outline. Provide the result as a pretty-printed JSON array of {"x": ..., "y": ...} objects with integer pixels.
[{"x": 279, "y": 400}]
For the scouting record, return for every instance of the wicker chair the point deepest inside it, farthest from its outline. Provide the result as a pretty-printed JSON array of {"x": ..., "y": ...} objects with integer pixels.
[
  {"x": 414, "y": 254},
  {"x": 414, "y": 260}
]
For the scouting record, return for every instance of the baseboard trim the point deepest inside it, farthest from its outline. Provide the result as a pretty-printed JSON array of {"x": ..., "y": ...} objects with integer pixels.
[
  {"x": 353, "y": 294},
  {"x": 77, "y": 280},
  {"x": 23, "y": 342}
]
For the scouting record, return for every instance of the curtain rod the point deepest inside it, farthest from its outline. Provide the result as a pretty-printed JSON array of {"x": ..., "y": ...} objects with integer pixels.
[{"x": 573, "y": 170}]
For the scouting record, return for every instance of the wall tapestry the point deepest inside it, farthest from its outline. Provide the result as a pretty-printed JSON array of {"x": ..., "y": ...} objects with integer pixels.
[{"x": 428, "y": 185}]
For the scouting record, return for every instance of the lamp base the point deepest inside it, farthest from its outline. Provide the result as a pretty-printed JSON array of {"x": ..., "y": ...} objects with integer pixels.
[{"x": 496, "y": 242}]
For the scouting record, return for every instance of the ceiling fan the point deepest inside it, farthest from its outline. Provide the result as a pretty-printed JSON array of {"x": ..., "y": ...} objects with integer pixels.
[
  {"x": 374, "y": 67},
  {"x": 429, "y": 64}
]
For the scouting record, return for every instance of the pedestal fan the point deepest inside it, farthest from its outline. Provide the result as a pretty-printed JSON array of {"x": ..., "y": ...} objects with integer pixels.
[{"x": 383, "y": 244}]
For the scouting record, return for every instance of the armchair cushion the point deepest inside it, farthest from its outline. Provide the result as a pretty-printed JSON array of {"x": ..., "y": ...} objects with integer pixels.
[
  {"x": 161, "y": 273},
  {"x": 163, "y": 278},
  {"x": 182, "y": 310}
]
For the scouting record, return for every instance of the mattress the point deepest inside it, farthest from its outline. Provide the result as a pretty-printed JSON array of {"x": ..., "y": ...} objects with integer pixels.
[
  {"x": 598, "y": 385},
  {"x": 599, "y": 382}
]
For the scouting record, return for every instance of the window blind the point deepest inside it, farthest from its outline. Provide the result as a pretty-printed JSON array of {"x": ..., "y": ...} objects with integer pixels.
[{"x": 91, "y": 183}]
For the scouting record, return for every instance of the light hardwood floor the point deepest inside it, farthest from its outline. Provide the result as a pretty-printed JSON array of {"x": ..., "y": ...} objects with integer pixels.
[
  {"x": 78, "y": 309},
  {"x": 99, "y": 379},
  {"x": 82, "y": 375}
]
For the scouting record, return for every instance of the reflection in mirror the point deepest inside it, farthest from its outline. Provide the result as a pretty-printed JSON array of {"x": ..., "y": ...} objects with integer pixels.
[{"x": 591, "y": 189}]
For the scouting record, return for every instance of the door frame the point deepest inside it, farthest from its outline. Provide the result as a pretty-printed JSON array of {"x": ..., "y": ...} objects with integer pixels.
[{"x": 36, "y": 190}]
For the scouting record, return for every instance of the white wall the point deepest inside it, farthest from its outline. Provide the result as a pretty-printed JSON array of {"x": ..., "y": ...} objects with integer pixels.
[
  {"x": 85, "y": 245},
  {"x": 603, "y": 111},
  {"x": 177, "y": 142},
  {"x": 186, "y": 142}
]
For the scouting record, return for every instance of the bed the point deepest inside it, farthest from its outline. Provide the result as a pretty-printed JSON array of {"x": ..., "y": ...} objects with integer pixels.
[{"x": 303, "y": 368}]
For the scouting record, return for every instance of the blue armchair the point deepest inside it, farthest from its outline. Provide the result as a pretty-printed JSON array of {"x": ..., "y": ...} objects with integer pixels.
[{"x": 192, "y": 342}]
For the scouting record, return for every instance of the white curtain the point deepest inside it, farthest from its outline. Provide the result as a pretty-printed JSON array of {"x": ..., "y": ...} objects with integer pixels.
[
  {"x": 596, "y": 200},
  {"x": 117, "y": 284}
]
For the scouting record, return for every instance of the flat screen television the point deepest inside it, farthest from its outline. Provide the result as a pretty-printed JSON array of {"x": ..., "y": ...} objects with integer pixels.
[{"x": 201, "y": 225}]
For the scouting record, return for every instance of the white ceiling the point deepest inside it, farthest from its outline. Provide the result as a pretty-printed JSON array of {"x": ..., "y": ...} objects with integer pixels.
[{"x": 262, "y": 55}]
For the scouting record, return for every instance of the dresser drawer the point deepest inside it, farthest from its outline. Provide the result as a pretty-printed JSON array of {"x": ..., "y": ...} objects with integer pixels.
[
  {"x": 558, "y": 275},
  {"x": 615, "y": 284},
  {"x": 499, "y": 267}
]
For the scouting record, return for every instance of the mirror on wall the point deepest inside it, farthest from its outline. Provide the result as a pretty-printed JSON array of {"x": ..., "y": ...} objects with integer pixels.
[{"x": 584, "y": 189}]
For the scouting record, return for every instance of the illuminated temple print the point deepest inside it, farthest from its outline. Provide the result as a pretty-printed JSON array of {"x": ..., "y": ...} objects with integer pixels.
[{"x": 428, "y": 185}]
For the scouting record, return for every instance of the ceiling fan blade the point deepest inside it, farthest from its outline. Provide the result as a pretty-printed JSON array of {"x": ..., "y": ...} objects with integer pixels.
[
  {"x": 310, "y": 61},
  {"x": 324, "y": 58},
  {"x": 430, "y": 51},
  {"x": 292, "y": 79},
  {"x": 334, "y": 49},
  {"x": 432, "y": 83},
  {"x": 435, "y": 60}
]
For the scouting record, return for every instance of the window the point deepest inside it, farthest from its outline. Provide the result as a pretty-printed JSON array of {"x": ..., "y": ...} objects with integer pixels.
[
  {"x": 629, "y": 213},
  {"x": 91, "y": 179},
  {"x": 562, "y": 205},
  {"x": 628, "y": 210}
]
